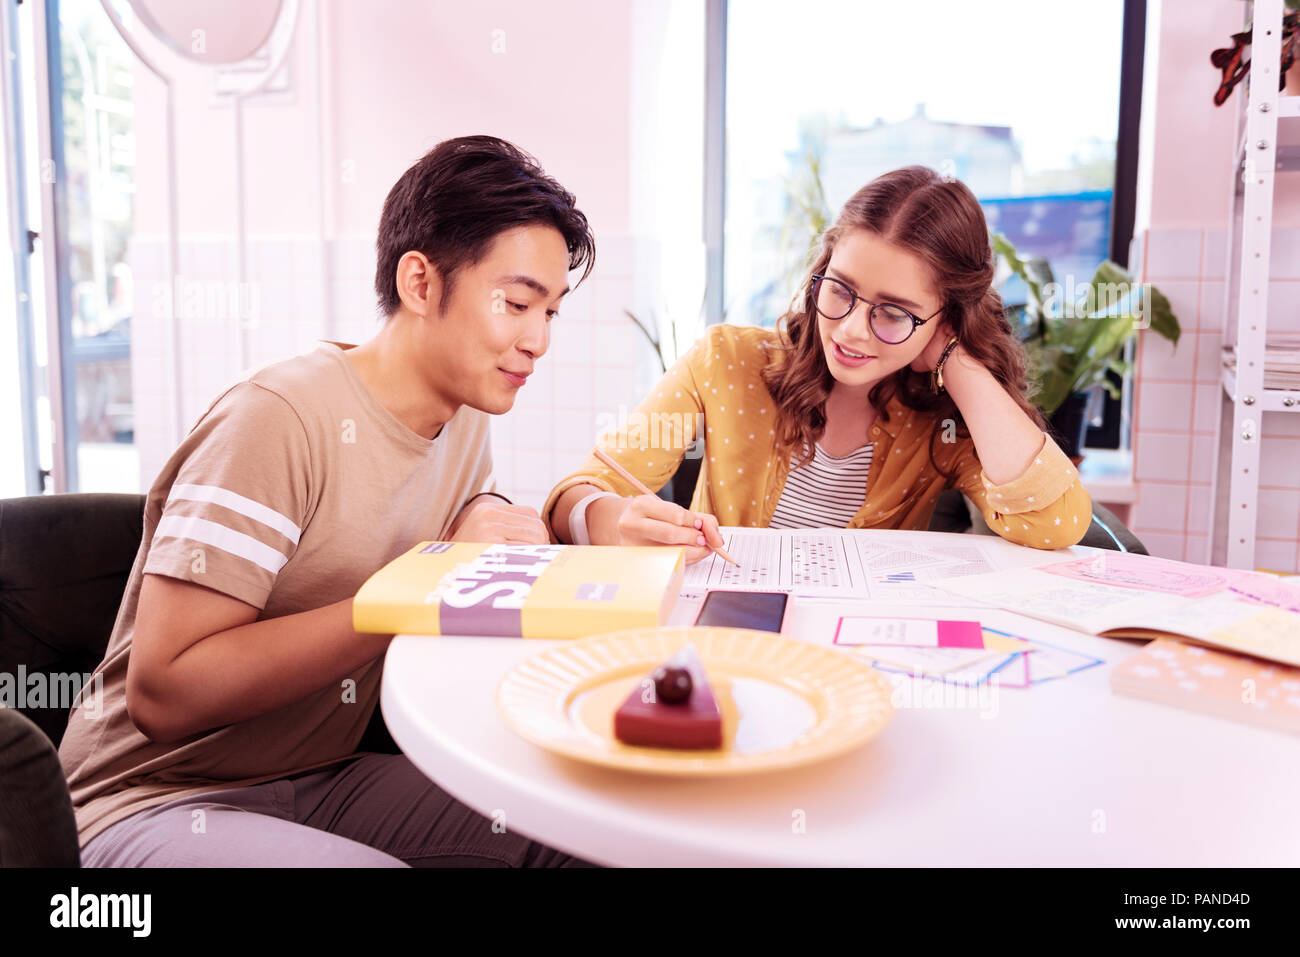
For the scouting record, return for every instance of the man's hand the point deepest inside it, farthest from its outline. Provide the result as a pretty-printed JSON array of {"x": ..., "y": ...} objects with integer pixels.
[
  {"x": 649, "y": 520},
  {"x": 488, "y": 519}
]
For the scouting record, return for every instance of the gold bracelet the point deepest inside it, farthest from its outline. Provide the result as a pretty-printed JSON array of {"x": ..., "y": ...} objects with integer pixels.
[{"x": 936, "y": 377}]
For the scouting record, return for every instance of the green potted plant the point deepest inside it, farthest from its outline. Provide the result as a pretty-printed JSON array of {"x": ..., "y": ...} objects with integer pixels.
[{"x": 1075, "y": 334}]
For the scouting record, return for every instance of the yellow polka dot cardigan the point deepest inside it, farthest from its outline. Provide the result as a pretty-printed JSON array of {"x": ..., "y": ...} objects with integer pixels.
[{"x": 717, "y": 387}]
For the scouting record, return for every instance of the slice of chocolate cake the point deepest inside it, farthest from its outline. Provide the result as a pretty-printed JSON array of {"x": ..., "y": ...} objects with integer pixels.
[{"x": 672, "y": 708}]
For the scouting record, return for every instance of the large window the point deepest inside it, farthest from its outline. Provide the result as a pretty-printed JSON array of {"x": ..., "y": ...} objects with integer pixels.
[
  {"x": 93, "y": 83},
  {"x": 79, "y": 190},
  {"x": 1021, "y": 105}
]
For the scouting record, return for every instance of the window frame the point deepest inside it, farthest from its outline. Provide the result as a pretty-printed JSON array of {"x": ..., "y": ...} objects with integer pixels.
[
  {"x": 22, "y": 239},
  {"x": 1113, "y": 429}
]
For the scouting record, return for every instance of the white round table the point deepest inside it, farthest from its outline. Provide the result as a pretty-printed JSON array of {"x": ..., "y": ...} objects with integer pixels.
[{"x": 1064, "y": 773}]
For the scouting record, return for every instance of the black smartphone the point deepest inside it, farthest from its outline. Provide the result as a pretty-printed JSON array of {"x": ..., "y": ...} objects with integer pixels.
[{"x": 760, "y": 610}]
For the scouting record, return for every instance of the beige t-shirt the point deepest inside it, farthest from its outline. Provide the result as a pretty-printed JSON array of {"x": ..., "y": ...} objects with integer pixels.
[{"x": 293, "y": 488}]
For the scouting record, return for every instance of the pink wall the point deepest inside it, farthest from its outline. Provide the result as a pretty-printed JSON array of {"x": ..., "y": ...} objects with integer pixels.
[
  {"x": 396, "y": 77},
  {"x": 412, "y": 73},
  {"x": 400, "y": 75},
  {"x": 1187, "y": 157}
]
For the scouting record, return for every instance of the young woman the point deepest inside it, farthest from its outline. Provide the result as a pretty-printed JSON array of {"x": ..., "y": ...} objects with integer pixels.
[{"x": 893, "y": 376}]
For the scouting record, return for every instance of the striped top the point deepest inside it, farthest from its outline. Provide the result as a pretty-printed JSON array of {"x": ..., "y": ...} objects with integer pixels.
[{"x": 824, "y": 492}]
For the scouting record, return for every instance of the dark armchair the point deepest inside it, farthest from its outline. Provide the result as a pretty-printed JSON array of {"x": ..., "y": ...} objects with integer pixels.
[{"x": 64, "y": 564}]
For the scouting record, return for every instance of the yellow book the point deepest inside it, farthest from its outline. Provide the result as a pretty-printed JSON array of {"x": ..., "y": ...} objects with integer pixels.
[{"x": 520, "y": 591}]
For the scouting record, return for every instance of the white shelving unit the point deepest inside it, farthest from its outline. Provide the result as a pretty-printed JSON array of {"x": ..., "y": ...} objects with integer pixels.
[{"x": 1266, "y": 119}]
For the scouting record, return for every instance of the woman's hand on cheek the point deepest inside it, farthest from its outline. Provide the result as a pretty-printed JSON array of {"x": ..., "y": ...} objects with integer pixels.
[{"x": 929, "y": 357}]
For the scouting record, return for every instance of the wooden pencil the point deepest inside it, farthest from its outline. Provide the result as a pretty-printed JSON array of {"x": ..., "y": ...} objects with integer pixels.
[{"x": 640, "y": 487}]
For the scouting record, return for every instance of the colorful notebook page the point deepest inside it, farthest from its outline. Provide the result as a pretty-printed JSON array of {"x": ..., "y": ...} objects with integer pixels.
[
  {"x": 1041, "y": 661},
  {"x": 988, "y": 673},
  {"x": 930, "y": 661},
  {"x": 1265, "y": 589},
  {"x": 968, "y": 675},
  {"x": 908, "y": 632},
  {"x": 923, "y": 633},
  {"x": 919, "y": 646},
  {"x": 1236, "y": 687},
  {"x": 1144, "y": 573},
  {"x": 893, "y": 644},
  {"x": 1001, "y": 641},
  {"x": 1013, "y": 673},
  {"x": 1049, "y": 662}
]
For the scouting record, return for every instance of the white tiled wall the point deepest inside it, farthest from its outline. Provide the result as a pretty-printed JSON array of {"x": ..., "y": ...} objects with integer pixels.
[
  {"x": 597, "y": 363},
  {"x": 1179, "y": 397}
]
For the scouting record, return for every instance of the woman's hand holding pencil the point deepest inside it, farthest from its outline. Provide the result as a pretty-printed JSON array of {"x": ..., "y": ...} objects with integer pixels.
[{"x": 649, "y": 520}]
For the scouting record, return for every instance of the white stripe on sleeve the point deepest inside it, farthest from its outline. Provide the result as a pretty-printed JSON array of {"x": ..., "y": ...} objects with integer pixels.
[
  {"x": 237, "y": 503},
  {"x": 218, "y": 536}
]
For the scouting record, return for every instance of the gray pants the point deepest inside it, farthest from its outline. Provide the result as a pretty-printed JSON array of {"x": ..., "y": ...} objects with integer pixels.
[{"x": 376, "y": 811}]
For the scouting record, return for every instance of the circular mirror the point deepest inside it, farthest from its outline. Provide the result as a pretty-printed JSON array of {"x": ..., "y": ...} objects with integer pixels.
[{"x": 210, "y": 31}]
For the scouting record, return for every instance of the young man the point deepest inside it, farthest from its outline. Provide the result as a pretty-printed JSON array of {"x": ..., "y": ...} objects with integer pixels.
[{"x": 233, "y": 681}]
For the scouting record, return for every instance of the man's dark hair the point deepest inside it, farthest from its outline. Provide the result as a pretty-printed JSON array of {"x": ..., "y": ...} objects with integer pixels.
[{"x": 457, "y": 198}]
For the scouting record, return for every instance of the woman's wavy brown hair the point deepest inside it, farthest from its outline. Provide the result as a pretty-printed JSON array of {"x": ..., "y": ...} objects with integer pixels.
[{"x": 940, "y": 221}]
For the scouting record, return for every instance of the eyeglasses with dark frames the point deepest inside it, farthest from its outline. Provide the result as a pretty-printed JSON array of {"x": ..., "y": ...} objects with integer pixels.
[{"x": 891, "y": 324}]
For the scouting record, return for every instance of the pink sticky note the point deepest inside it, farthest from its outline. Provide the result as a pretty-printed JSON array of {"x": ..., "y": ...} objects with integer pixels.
[
  {"x": 960, "y": 634},
  {"x": 909, "y": 632}
]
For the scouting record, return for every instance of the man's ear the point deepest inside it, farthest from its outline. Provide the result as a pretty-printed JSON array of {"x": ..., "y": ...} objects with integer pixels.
[{"x": 418, "y": 284}]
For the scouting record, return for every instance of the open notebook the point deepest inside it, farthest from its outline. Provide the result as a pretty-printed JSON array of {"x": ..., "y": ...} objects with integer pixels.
[{"x": 1119, "y": 595}]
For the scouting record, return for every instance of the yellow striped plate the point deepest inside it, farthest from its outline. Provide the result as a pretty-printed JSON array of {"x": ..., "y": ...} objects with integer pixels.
[{"x": 784, "y": 703}]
